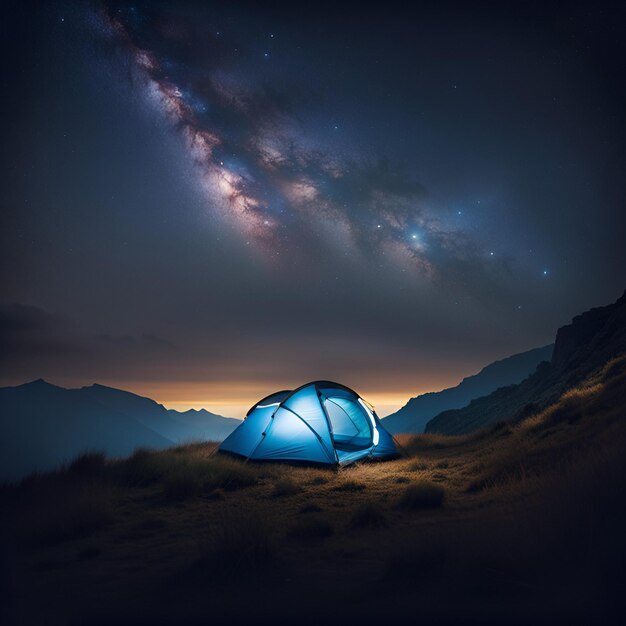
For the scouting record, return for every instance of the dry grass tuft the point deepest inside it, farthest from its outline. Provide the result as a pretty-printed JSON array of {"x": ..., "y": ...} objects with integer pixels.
[
  {"x": 507, "y": 463},
  {"x": 70, "y": 503},
  {"x": 311, "y": 527},
  {"x": 182, "y": 483},
  {"x": 285, "y": 487},
  {"x": 368, "y": 515},
  {"x": 88, "y": 465},
  {"x": 350, "y": 485},
  {"x": 318, "y": 480},
  {"x": 216, "y": 494},
  {"x": 415, "y": 565},
  {"x": 73, "y": 512},
  {"x": 435, "y": 441},
  {"x": 241, "y": 548},
  {"x": 417, "y": 466},
  {"x": 310, "y": 508},
  {"x": 183, "y": 476},
  {"x": 422, "y": 494}
]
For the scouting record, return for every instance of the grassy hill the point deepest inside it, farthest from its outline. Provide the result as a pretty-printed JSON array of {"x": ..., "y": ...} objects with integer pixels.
[{"x": 517, "y": 523}]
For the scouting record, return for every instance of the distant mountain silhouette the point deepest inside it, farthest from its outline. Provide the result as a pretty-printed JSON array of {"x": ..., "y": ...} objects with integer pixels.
[
  {"x": 581, "y": 348},
  {"x": 415, "y": 414},
  {"x": 43, "y": 425},
  {"x": 174, "y": 425}
]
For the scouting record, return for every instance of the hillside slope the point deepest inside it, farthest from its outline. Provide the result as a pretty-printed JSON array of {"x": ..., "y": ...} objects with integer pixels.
[
  {"x": 519, "y": 524},
  {"x": 581, "y": 347},
  {"x": 413, "y": 416}
]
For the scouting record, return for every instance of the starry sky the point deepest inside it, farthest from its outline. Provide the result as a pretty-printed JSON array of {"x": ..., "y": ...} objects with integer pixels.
[{"x": 207, "y": 202}]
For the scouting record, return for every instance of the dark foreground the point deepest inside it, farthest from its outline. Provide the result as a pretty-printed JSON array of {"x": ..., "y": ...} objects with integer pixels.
[{"x": 518, "y": 524}]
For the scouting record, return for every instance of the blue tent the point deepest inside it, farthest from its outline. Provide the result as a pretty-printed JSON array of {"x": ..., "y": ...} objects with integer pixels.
[{"x": 320, "y": 422}]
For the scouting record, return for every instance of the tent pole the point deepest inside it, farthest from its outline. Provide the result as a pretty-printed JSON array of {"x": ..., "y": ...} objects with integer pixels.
[{"x": 319, "y": 439}]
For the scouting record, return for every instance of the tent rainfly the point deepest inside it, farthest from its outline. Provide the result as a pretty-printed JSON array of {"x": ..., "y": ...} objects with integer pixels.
[{"x": 321, "y": 422}]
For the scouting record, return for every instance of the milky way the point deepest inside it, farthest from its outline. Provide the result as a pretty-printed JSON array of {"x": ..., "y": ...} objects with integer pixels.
[{"x": 284, "y": 190}]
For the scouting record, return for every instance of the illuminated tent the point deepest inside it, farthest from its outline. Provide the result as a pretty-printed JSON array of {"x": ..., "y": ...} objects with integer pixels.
[{"x": 320, "y": 422}]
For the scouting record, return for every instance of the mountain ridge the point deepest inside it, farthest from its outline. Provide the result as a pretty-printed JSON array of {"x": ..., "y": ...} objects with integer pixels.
[
  {"x": 44, "y": 425},
  {"x": 581, "y": 347},
  {"x": 415, "y": 414}
]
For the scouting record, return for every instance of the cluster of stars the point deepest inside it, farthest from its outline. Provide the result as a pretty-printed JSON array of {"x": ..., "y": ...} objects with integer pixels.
[{"x": 256, "y": 187}]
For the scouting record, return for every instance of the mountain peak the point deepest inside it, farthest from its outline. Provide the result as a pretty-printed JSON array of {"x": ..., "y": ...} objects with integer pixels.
[
  {"x": 99, "y": 386},
  {"x": 39, "y": 383}
]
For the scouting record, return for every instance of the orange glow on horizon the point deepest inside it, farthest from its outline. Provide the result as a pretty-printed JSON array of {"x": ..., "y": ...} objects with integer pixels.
[{"x": 234, "y": 399}]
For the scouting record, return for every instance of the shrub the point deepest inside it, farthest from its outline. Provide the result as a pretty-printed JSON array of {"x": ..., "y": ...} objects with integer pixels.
[
  {"x": 313, "y": 527},
  {"x": 422, "y": 494},
  {"x": 369, "y": 515}
]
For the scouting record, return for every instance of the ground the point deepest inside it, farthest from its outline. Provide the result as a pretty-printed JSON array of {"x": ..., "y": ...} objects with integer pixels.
[{"x": 518, "y": 523}]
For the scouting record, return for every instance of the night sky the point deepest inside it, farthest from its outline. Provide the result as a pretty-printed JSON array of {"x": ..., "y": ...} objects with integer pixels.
[{"x": 207, "y": 202}]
